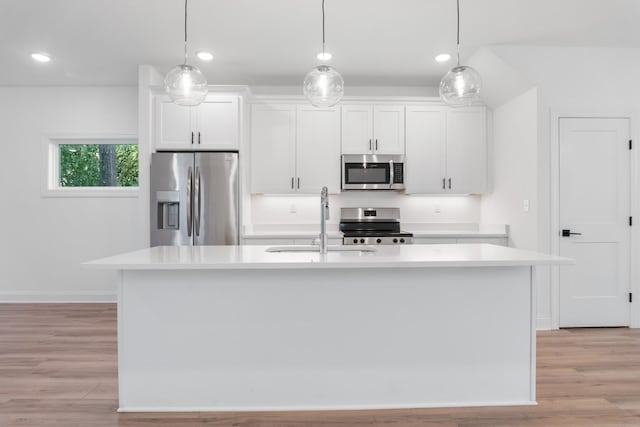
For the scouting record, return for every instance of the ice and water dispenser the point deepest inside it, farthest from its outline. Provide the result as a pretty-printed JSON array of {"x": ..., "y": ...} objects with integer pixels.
[{"x": 168, "y": 210}]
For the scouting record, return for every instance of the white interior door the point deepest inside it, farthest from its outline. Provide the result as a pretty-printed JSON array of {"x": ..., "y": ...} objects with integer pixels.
[{"x": 594, "y": 202}]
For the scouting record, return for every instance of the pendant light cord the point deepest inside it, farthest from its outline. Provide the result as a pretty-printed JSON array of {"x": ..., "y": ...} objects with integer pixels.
[
  {"x": 458, "y": 34},
  {"x": 185, "y": 31},
  {"x": 323, "y": 40}
]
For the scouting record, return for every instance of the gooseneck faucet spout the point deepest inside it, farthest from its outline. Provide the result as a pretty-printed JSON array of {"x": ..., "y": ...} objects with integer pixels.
[{"x": 324, "y": 216}]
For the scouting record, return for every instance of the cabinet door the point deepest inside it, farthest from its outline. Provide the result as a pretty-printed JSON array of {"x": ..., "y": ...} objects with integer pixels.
[
  {"x": 218, "y": 123},
  {"x": 273, "y": 148},
  {"x": 425, "y": 167},
  {"x": 502, "y": 241},
  {"x": 172, "y": 129},
  {"x": 434, "y": 241},
  {"x": 467, "y": 150},
  {"x": 255, "y": 241},
  {"x": 388, "y": 129},
  {"x": 318, "y": 149},
  {"x": 357, "y": 129}
]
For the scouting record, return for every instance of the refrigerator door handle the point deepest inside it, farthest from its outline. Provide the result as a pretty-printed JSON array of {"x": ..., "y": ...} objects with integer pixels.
[
  {"x": 197, "y": 201},
  {"x": 189, "y": 201}
]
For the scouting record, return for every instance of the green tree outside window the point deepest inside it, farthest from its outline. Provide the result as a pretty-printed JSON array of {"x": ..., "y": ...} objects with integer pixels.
[{"x": 98, "y": 165}]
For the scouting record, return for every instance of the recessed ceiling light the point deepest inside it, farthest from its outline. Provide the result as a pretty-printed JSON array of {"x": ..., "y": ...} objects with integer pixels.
[
  {"x": 41, "y": 57},
  {"x": 324, "y": 56},
  {"x": 204, "y": 56},
  {"x": 443, "y": 57}
]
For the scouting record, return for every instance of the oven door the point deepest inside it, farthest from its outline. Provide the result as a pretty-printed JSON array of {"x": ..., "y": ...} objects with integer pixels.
[{"x": 372, "y": 172}]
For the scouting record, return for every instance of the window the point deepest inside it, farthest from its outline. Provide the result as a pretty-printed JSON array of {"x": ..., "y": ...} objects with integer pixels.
[{"x": 90, "y": 166}]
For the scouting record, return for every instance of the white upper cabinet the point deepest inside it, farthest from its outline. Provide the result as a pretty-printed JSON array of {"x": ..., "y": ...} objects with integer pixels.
[
  {"x": 467, "y": 150},
  {"x": 318, "y": 149},
  {"x": 372, "y": 129},
  {"x": 212, "y": 125},
  {"x": 294, "y": 149},
  {"x": 357, "y": 129},
  {"x": 425, "y": 170},
  {"x": 273, "y": 138},
  {"x": 446, "y": 150},
  {"x": 388, "y": 129}
]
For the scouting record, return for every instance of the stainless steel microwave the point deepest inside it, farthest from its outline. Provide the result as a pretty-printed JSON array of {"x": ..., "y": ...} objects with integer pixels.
[{"x": 373, "y": 172}]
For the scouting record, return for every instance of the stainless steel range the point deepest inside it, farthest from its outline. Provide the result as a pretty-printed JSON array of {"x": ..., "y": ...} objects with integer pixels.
[{"x": 372, "y": 226}]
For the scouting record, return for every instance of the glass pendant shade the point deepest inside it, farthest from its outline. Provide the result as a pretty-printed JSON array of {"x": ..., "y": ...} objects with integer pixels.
[
  {"x": 186, "y": 85},
  {"x": 323, "y": 86},
  {"x": 460, "y": 87}
]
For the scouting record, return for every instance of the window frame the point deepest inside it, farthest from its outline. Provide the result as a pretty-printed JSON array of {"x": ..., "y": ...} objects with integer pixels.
[{"x": 51, "y": 165}]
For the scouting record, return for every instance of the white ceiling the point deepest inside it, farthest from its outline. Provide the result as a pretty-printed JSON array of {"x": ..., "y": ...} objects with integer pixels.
[{"x": 274, "y": 42}]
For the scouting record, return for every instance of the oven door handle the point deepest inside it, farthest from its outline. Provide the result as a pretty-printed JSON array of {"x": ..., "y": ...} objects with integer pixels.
[{"x": 391, "y": 177}]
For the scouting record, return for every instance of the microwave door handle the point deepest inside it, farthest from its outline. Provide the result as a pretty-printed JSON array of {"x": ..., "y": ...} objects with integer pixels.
[{"x": 391, "y": 177}]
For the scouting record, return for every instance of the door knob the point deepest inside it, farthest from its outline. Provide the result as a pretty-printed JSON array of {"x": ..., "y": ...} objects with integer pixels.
[{"x": 568, "y": 233}]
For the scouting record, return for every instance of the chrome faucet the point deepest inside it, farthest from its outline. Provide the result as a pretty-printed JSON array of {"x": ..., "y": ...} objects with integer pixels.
[{"x": 324, "y": 216}]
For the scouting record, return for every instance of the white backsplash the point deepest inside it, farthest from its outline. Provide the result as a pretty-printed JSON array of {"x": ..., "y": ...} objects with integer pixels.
[{"x": 413, "y": 209}]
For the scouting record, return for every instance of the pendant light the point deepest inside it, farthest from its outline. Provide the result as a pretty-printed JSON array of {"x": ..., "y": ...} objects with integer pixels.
[
  {"x": 461, "y": 86},
  {"x": 323, "y": 86},
  {"x": 185, "y": 84}
]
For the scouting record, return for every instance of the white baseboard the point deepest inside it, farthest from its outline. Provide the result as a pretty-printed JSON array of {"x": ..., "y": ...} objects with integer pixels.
[
  {"x": 543, "y": 324},
  {"x": 57, "y": 297}
]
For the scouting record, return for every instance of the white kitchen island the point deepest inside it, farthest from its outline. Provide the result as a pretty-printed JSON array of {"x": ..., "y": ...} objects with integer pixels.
[{"x": 237, "y": 328}]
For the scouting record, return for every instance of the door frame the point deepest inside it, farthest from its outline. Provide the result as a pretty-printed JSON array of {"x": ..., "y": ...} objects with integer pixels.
[{"x": 634, "y": 202}]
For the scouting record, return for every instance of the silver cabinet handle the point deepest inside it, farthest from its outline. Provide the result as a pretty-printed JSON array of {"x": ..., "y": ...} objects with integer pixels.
[
  {"x": 298, "y": 183},
  {"x": 449, "y": 183},
  {"x": 189, "y": 201},
  {"x": 191, "y": 138},
  {"x": 370, "y": 146},
  {"x": 197, "y": 201},
  {"x": 292, "y": 183},
  {"x": 376, "y": 145},
  {"x": 391, "y": 173},
  {"x": 198, "y": 138},
  {"x": 444, "y": 181}
]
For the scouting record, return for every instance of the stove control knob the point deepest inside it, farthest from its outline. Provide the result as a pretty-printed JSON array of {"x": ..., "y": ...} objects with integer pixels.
[
  {"x": 378, "y": 240},
  {"x": 395, "y": 240},
  {"x": 361, "y": 240},
  {"x": 355, "y": 241},
  {"x": 401, "y": 240}
]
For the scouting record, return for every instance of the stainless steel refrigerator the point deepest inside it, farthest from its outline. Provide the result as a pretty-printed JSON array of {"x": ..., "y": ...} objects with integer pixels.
[{"x": 194, "y": 199}]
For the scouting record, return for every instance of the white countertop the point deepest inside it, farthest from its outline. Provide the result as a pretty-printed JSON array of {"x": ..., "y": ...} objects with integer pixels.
[
  {"x": 256, "y": 257},
  {"x": 426, "y": 230}
]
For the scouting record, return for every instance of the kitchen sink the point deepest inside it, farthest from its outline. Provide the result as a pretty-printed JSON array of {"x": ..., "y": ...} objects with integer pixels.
[{"x": 313, "y": 248}]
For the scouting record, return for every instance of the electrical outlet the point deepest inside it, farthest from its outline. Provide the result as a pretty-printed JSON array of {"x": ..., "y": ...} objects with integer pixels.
[
  {"x": 292, "y": 208},
  {"x": 436, "y": 209},
  {"x": 525, "y": 205}
]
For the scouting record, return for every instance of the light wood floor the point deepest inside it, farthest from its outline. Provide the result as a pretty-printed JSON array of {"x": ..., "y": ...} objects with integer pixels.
[{"x": 58, "y": 368}]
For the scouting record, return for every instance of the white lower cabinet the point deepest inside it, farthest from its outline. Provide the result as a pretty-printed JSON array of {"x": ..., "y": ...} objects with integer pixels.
[
  {"x": 502, "y": 241},
  {"x": 295, "y": 149},
  {"x": 446, "y": 150},
  {"x": 286, "y": 242}
]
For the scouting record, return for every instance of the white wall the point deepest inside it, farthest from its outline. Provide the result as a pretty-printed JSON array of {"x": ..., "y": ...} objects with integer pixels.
[
  {"x": 579, "y": 81},
  {"x": 514, "y": 170},
  {"x": 514, "y": 179},
  {"x": 44, "y": 240}
]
